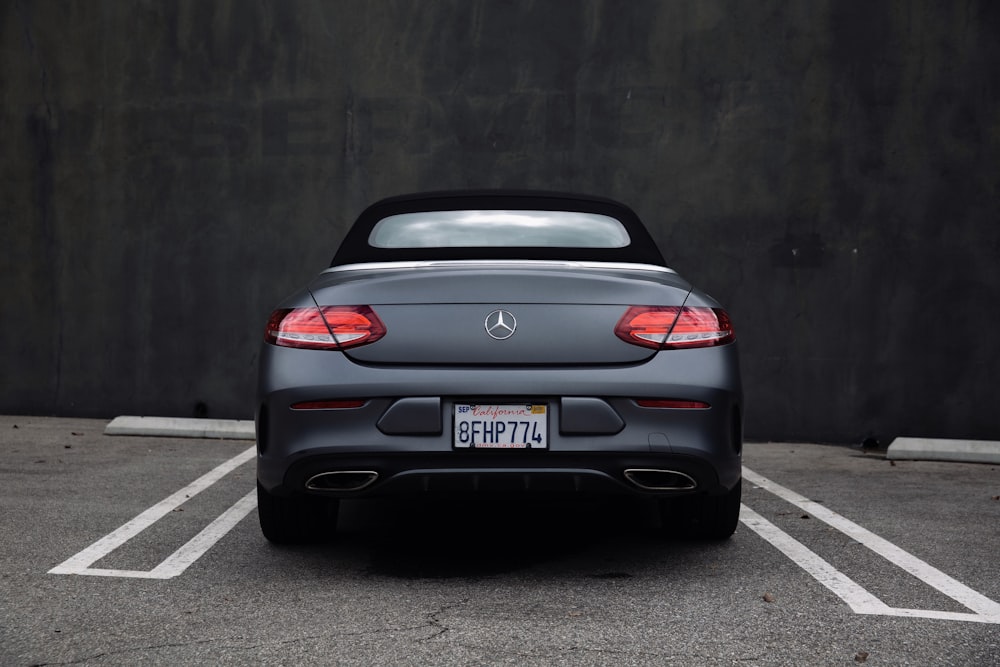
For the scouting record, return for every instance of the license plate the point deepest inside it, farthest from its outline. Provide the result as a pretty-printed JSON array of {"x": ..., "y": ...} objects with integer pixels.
[{"x": 501, "y": 426}]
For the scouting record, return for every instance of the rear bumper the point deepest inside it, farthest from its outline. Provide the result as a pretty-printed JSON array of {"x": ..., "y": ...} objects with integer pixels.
[
  {"x": 406, "y": 474},
  {"x": 584, "y": 453}
]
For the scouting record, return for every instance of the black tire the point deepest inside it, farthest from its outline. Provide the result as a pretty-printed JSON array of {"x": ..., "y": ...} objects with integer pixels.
[
  {"x": 702, "y": 517},
  {"x": 296, "y": 520}
]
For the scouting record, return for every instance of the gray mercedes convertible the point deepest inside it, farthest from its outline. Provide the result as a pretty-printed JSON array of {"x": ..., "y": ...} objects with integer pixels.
[{"x": 498, "y": 342}]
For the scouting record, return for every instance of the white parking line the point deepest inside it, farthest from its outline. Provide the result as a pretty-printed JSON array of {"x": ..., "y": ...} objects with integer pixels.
[
  {"x": 187, "y": 554},
  {"x": 857, "y": 598},
  {"x": 861, "y": 601},
  {"x": 181, "y": 559}
]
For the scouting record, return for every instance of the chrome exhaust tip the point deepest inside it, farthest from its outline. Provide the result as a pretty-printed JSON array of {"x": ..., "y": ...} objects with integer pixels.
[
  {"x": 342, "y": 480},
  {"x": 651, "y": 479}
]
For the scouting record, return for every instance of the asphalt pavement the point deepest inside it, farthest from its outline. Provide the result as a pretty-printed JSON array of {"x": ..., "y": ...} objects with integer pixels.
[{"x": 145, "y": 550}]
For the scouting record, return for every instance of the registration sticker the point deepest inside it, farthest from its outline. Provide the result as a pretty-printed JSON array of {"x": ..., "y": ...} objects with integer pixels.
[{"x": 517, "y": 426}]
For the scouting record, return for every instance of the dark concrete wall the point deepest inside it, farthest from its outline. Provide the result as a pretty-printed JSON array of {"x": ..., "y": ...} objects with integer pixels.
[{"x": 829, "y": 170}]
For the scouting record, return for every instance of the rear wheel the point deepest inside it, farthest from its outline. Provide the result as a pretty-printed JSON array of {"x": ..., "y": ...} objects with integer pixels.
[
  {"x": 296, "y": 519},
  {"x": 702, "y": 517}
]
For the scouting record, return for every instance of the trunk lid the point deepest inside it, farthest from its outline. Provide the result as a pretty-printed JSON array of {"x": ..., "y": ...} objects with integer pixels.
[{"x": 538, "y": 313}]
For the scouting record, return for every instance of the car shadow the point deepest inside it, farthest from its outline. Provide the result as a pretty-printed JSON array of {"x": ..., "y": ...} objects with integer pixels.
[{"x": 480, "y": 536}]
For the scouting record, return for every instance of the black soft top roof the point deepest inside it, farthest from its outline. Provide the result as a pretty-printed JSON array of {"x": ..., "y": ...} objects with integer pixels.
[{"x": 355, "y": 247}]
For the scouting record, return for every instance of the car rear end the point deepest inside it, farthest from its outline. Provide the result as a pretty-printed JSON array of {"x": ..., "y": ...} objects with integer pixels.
[
  {"x": 496, "y": 373},
  {"x": 588, "y": 398}
]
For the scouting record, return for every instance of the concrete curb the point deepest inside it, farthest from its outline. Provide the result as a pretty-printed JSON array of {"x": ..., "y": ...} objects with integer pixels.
[
  {"x": 911, "y": 449},
  {"x": 178, "y": 427},
  {"x": 929, "y": 449}
]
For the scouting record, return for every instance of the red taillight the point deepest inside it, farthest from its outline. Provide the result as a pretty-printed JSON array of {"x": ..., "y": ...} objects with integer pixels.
[
  {"x": 647, "y": 325},
  {"x": 353, "y": 325},
  {"x": 672, "y": 404},
  {"x": 324, "y": 328},
  {"x": 675, "y": 327},
  {"x": 299, "y": 327}
]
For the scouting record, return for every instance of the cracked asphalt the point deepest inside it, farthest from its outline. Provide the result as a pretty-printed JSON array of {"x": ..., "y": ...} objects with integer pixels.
[{"x": 499, "y": 582}]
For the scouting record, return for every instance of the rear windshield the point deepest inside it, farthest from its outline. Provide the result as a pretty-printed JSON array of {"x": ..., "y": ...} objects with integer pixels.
[
  {"x": 497, "y": 224},
  {"x": 499, "y": 229}
]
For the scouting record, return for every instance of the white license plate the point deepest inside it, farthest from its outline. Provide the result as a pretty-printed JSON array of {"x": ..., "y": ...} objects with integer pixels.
[{"x": 501, "y": 426}]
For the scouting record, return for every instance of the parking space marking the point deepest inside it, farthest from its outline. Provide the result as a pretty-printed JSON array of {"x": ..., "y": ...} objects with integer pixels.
[
  {"x": 181, "y": 559},
  {"x": 984, "y": 610},
  {"x": 857, "y": 598},
  {"x": 861, "y": 601}
]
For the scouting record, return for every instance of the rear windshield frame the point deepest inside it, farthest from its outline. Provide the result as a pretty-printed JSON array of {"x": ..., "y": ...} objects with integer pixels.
[{"x": 356, "y": 248}]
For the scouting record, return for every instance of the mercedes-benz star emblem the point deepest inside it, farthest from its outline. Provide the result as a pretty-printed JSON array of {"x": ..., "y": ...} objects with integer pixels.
[{"x": 500, "y": 324}]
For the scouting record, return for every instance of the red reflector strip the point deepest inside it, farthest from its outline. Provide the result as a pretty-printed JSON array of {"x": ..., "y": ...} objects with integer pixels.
[
  {"x": 327, "y": 405},
  {"x": 671, "y": 404}
]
